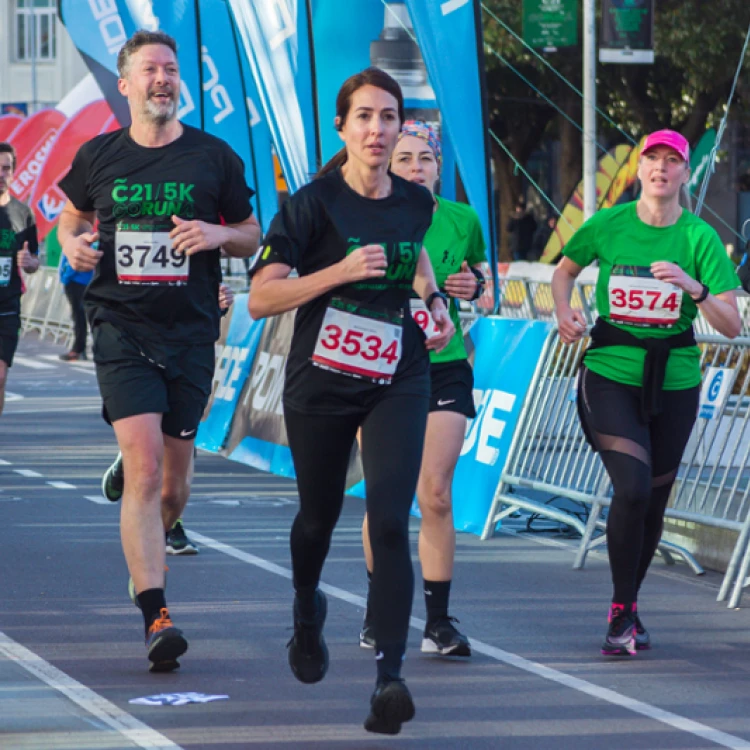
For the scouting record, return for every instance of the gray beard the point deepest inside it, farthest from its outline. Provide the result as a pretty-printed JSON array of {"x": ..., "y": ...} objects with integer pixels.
[{"x": 159, "y": 115}]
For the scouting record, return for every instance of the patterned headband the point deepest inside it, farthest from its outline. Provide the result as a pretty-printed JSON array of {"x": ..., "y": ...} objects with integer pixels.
[{"x": 424, "y": 132}]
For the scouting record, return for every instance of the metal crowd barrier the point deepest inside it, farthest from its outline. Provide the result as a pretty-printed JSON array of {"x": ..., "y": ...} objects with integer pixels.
[
  {"x": 44, "y": 307},
  {"x": 549, "y": 457}
]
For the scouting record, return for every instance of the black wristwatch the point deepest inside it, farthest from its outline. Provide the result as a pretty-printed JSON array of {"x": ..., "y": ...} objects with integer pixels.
[
  {"x": 702, "y": 296},
  {"x": 428, "y": 302}
]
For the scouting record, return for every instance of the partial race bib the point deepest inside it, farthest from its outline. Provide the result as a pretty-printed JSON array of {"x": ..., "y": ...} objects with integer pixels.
[
  {"x": 144, "y": 255},
  {"x": 422, "y": 318},
  {"x": 6, "y": 267},
  {"x": 359, "y": 342},
  {"x": 637, "y": 298}
]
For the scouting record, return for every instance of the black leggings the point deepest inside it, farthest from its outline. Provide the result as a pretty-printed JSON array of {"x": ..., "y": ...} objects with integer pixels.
[
  {"x": 392, "y": 442},
  {"x": 642, "y": 460}
]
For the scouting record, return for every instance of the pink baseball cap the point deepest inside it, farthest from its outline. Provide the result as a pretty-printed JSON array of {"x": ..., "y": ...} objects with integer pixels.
[{"x": 668, "y": 138}]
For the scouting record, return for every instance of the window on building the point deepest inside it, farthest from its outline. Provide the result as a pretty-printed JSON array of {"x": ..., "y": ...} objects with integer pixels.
[{"x": 36, "y": 30}]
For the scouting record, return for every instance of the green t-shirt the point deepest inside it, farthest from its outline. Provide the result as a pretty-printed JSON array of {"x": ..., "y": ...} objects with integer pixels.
[
  {"x": 625, "y": 247},
  {"x": 454, "y": 236}
]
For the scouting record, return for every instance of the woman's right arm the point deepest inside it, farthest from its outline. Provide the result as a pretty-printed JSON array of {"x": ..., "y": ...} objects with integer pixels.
[
  {"x": 272, "y": 292},
  {"x": 571, "y": 323}
]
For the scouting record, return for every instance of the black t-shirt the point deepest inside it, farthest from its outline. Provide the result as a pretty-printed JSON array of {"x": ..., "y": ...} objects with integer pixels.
[
  {"x": 140, "y": 283},
  {"x": 17, "y": 226},
  {"x": 316, "y": 228}
]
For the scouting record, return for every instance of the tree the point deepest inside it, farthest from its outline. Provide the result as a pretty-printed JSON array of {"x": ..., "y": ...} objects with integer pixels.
[{"x": 685, "y": 89}]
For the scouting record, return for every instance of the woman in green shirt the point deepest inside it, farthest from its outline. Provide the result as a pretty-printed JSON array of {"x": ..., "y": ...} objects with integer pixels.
[
  {"x": 456, "y": 248},
  {"x": 640, "y": 380}
]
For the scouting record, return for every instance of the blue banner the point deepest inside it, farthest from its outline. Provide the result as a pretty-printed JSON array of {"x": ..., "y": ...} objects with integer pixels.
[
  {"x": 233, "y": 365},
  {"x": 377, "y": 34},
  {"x": 507, "y": 353},
  {"x": 450, "y": 30},
  {"x": 275, "y": 39}
]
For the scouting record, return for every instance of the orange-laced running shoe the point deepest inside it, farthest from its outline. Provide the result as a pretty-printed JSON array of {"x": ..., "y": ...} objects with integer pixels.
[{"x": 165, "y": 643}]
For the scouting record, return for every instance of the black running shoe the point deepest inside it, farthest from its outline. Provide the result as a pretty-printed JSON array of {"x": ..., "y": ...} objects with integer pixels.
[
  {"x": 308, "y": 653},
  {"x": 390, "y": 706},
  {"x": 620, "y": 638},
  {"x": 441, "y": 637},
  {"x": 113, "y": 481},
  {"x": 642, "y": 637},
  {"x": 165, "y": 643},
  {"x": 178, "y": 542},
  {"x": 367, "y": 634}
]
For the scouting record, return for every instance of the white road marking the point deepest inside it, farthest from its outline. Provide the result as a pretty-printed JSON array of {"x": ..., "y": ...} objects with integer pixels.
[
  {"x": 12, "y": 397},
  {"x": 62, "y": 485},
  {"x": 519, "y": 662},
  {"x": 28, "y": 473},
  {"x": 5, "y": 463},
  {"x": 50, "y": 409},
  {"x": 100, "y": 499},
  {"x": 32, "y": 363},
  {"x": 108, "y": 713}
]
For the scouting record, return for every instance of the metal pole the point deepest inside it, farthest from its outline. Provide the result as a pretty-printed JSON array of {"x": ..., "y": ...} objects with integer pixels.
[
  {"x": 589, "y": 108},
  {"x": 33, "y": 59}
]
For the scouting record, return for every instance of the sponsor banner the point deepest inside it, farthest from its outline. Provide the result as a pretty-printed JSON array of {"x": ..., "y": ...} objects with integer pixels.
[
  {"x": 98, "y": 32},
  {"x": 8, "y": 123},
  {"x": 14, "y": 108},
  {"x": 258, "y": 434},
  {"x": 235, "y": 352},
  {"x": 506, "y": 353},
  {"x": 33, "y": 141},
  {"x": 47, "y": 200},
  {"x": 717, "y": 385},
  {"x": 609, "y": 171},
  {"x": 275, "y": 39},
  {"x": 627, "y": 34}
]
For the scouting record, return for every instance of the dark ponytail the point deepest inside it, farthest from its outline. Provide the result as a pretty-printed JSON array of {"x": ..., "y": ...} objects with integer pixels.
[{"x": 368, "y": 77}]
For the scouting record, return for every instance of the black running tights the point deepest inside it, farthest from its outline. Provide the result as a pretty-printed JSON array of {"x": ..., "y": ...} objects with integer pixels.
[
  {"x": 641, "y": 459},
  {"x": 392, "y": 441}
]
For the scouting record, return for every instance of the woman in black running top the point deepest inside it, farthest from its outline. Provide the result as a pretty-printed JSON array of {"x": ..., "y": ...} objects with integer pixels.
[{"x": 357, "y": 360}]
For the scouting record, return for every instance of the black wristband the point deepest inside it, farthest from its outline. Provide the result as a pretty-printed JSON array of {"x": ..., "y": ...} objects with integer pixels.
[
  {"x": 702, "y": 297},
  {"x": 428, "y": 302},
  {"x": 480, "y": 284}
]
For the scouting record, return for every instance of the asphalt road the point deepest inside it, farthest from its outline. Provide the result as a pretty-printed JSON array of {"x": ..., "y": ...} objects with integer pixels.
[{"x": 72, "y": 654}]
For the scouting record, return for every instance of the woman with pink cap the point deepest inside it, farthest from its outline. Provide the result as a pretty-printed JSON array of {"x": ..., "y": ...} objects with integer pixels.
[
  {"x": 639, "y": 383},
  {"x": 456, "y": 248}
]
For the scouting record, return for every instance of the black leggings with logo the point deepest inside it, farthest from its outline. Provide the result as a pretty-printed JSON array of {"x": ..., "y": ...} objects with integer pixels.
[
  {"x": 392, "y": 441},
  {"x": 642, "y": 459}
]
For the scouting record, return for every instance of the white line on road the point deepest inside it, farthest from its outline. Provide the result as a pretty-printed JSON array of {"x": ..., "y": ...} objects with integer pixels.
[
  {"x": 519, "y": 662},
  {"x": 62, "y": 485},
  {"x": 100, "y": 499},
  {"x": 51, "y": 409},
  {"x": 28, "y": 473},
  {"x": 12, "y": 397},
  {"x": 113, "y": 716},
  {"x": 32, "y": 363},
  {"x": 5, "y": 463}
]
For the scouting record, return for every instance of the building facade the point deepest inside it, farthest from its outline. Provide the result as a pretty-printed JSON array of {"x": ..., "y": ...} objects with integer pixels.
[{"x": 39, "y": 63}]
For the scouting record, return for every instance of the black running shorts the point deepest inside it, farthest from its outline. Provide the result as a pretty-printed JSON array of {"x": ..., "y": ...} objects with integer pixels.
[
  {"x": 136, "y": 377},
  {"x": 9, "y": 328},
  {"x": 452, "y": 385}
]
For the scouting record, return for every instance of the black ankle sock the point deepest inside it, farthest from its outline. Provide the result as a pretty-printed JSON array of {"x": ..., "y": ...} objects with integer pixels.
[
  {"x": 307, "y": 602},
  {"x": 389, "y": 660},
  {"x": 151, "y": 602},
  {"x": 436, "y": 596}
]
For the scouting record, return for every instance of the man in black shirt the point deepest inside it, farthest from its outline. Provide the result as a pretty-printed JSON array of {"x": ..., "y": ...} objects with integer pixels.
[
  {"x": 18, "y": 249},
  {"x": 166, "y": 197}
]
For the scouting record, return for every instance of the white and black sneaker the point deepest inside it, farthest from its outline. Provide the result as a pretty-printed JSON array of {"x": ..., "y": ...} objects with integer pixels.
[
  {"x": 367, "y": 635},
  {"x": 178, "y": 542},
  {"x": 441, "y": 637},
  {"x": 113, "y": 481}
]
